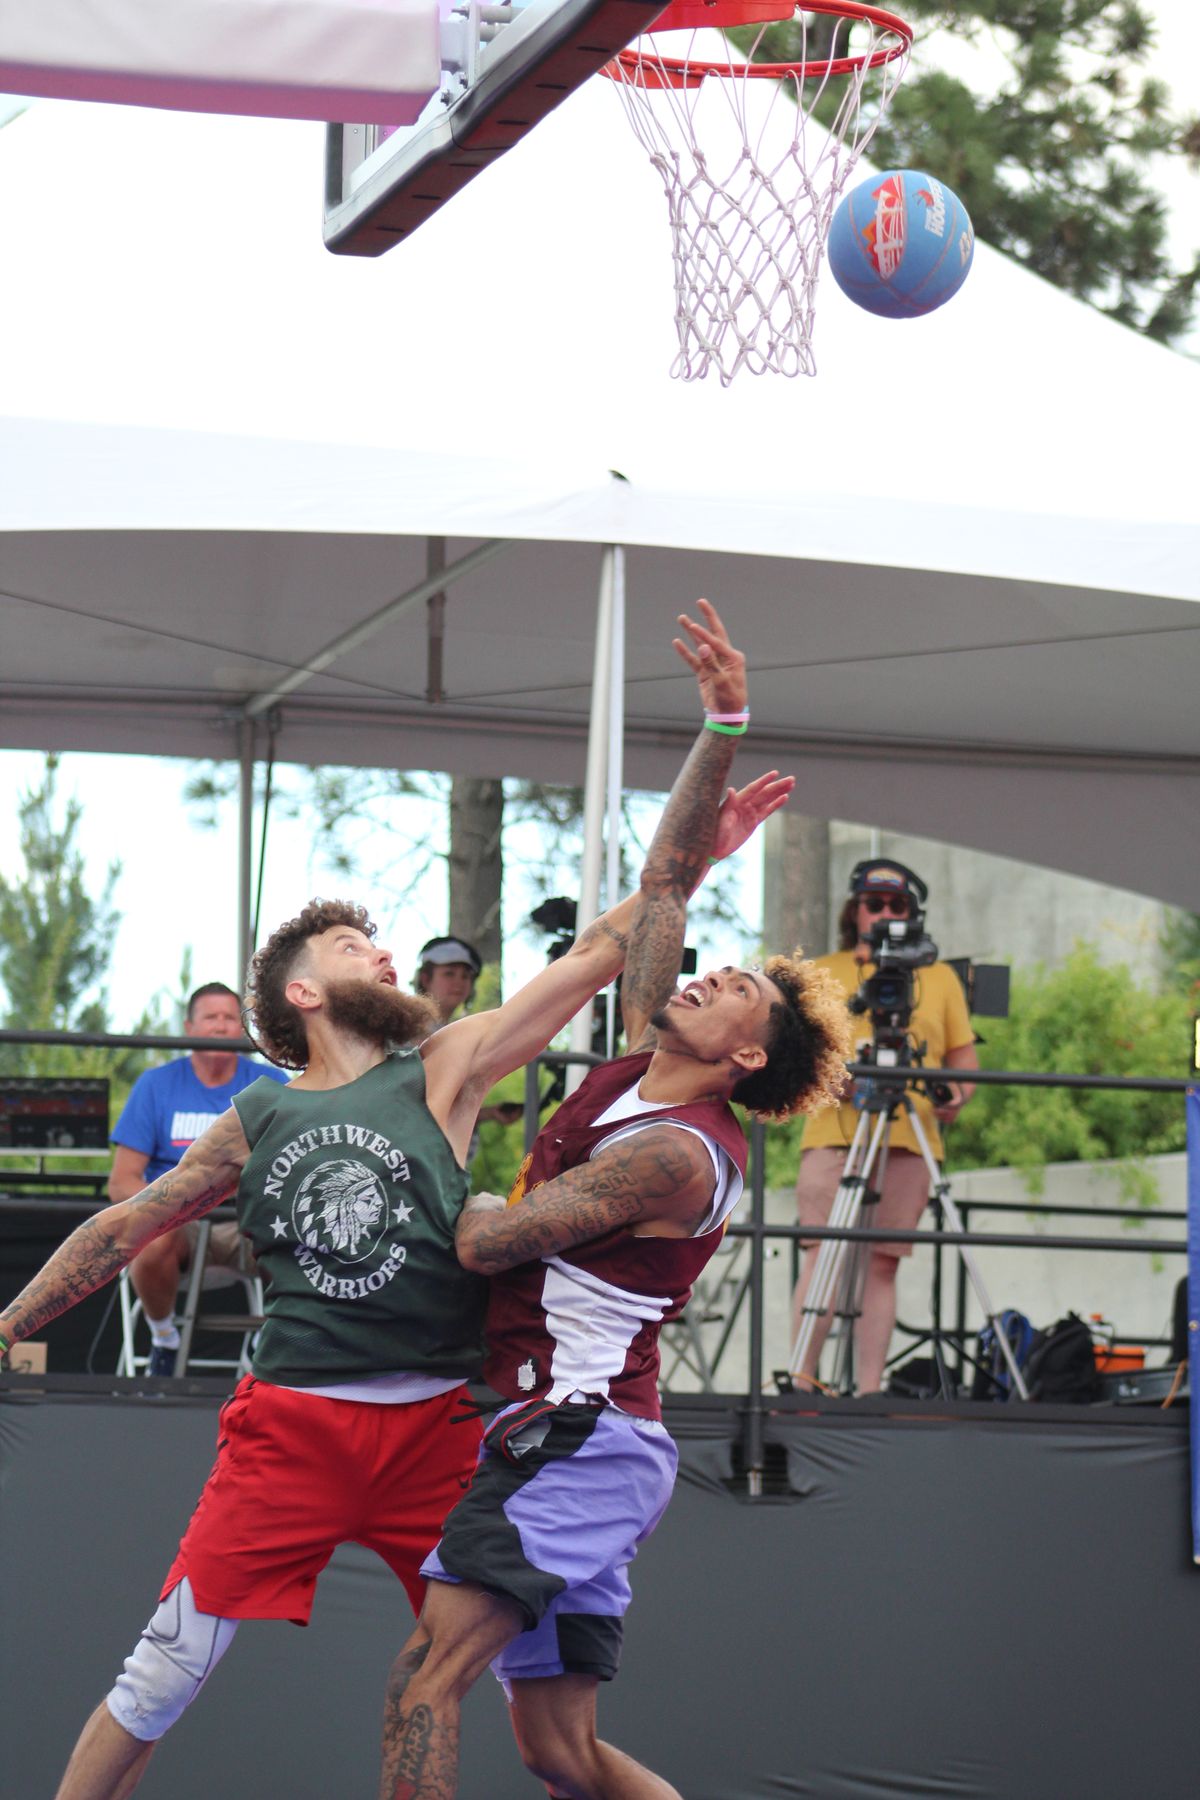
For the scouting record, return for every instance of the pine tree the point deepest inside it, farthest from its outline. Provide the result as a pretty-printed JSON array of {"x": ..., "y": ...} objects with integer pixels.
[
  {"x": 56, "y": 943},
  {"x": 1052, "y": 158},
  {"x": 56, "y": 938}
]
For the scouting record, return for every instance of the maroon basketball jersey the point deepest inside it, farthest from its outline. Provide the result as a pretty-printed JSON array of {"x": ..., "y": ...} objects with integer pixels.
[{"x": 588, "y": 1319}]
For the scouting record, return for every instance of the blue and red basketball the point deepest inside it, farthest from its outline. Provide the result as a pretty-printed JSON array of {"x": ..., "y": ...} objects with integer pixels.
[{"x": 901, "y": 244}]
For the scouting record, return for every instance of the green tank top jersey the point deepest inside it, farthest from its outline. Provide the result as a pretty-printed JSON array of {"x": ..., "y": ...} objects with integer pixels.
[{"x": 350, "y": 1197}]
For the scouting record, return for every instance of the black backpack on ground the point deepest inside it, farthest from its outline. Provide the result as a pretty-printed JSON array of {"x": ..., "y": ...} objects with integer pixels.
[{"x": 1061, "y": 1366}]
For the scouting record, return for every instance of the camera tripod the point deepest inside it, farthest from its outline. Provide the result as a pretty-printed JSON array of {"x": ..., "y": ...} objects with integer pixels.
[{"x": 833, "y": 1287}]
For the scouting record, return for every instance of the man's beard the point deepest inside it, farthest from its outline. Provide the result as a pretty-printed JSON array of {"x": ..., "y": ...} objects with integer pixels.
[{"x": 378, "y": 1013}]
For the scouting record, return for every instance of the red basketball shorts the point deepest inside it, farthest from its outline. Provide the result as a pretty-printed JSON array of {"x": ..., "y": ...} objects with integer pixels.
[{"x": 297, "y": 1475}]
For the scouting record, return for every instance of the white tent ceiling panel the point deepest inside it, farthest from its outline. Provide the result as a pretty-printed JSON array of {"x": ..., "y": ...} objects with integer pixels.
[{"x": 965, "y": 560}]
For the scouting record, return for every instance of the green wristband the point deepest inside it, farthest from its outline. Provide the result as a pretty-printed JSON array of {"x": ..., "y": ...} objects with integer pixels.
[
  {"x": 726, "y": 730},
  {"x": 5, "y": 1346}
]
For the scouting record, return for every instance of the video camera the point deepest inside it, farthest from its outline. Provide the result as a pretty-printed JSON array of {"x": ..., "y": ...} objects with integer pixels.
[{"x": 898, "y": 948}]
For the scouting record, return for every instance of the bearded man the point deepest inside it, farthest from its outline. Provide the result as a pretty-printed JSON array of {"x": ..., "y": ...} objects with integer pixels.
[{"x": 349, "y": 1184}]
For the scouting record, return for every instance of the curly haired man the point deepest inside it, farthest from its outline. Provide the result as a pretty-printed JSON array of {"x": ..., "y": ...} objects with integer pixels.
[
  {"x": 349, "y": 1184},
  {"x": 619, "y": 1206}
]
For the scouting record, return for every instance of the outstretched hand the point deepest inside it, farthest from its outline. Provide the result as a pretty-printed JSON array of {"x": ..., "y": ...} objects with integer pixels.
[
  {"x": 744, "y": 809},
  {"x": 717, "y": 666}
]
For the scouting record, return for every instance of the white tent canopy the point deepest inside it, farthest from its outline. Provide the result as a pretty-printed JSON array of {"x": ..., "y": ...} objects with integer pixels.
[
  {"x": 963, "y": 560},
  {"x": 324, "y": 59}
]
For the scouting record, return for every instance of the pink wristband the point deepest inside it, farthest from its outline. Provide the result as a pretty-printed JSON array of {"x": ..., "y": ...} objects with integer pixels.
[{"x": 741, "y": 718}]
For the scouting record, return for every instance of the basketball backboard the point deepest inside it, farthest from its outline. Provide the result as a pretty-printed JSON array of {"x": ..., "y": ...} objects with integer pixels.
[
  {"x": 503, "y": 68},
  {"x": 313, "y": 59}
]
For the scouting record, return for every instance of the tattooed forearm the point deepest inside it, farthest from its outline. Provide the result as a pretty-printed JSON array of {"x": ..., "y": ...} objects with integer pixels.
[
  {"x": 103, "y": 1245},
  {"x": 652, "y": 966},
  {"x": 599, "y": 928},
  {"x": 680, "y": 847},
  {"x": 660, "y": 1172},
  {"x": 87, "y": 1259},
  {"x": 675, "y": 863}
]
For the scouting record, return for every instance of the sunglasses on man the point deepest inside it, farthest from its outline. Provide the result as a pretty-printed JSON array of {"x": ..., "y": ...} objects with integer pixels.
[{"x": 892, "y": 903}]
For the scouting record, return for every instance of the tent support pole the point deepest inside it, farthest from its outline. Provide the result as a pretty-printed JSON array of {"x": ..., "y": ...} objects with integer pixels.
[
  {"x": 435, "y": 563},
  {"x": 598, "y": 763},
  {"x": 245, "y": 842},
  {"x": 616, "y": 765}
]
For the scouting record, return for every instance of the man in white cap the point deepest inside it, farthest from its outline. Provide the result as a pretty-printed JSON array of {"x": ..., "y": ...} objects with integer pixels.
[{"x": 447, "y": 973}]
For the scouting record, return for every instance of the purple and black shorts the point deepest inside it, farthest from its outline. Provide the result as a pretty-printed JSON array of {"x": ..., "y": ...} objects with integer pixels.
[{"x": 561, "y": 1499}]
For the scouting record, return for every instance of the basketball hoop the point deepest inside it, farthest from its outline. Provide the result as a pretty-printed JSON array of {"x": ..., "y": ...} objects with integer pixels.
[{"x": 752, "y": 190}]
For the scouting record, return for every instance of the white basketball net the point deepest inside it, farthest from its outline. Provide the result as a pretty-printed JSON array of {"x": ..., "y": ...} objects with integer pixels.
[{"x": 749, "y": 219}]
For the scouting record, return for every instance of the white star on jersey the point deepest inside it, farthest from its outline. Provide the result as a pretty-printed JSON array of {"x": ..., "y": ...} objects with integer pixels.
[
  {"x": 403, "y": 1213},
  {"x": 279, "y": 1226}
]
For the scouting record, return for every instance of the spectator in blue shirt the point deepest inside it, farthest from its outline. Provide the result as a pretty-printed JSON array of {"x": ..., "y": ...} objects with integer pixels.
[{"x": 167, "y": 1109}]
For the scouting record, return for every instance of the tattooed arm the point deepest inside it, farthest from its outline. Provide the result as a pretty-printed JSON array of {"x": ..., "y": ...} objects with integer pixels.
[
  {"x": 678, "y": 858},
  {"x": 463, "y": 1060},
  {"x": 100, "y": 1247},
  {"x": 658, "y": 1182}
]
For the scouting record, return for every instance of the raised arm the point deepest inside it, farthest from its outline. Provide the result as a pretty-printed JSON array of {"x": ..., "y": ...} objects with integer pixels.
[
  {"x": 681, "y": 848},
  {"x": 467, "y": 1058},
  {"x": 464, "y": 1060},
  {"x": 206, "y": 1174}
]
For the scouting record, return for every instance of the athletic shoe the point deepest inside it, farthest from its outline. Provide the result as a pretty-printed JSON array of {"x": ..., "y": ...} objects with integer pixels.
[{"x": 162, "y": 1360}]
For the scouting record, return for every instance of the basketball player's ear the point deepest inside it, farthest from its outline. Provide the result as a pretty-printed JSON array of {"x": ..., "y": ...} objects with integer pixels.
[
  {"x": 301, "y": 993},
  {"x": 749, "y": 1058}
]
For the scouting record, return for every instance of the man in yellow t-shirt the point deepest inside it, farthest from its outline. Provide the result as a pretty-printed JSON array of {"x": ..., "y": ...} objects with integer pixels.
[{"x": 881, "y": 888}]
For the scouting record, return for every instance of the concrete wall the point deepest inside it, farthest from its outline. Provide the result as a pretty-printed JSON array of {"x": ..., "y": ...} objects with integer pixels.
[{"x": 998, "y": 910}]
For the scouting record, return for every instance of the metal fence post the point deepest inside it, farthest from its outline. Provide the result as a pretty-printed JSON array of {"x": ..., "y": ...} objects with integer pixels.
[{"x": 754, "y": 1400}]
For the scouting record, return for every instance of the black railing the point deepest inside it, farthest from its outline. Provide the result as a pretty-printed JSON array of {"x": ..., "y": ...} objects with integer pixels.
[{"x": 68, "y": 1192}]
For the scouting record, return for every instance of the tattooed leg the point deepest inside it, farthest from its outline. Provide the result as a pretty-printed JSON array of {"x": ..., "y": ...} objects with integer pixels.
[
  {"x": 460, "y": 1630},
  {"x": 401, "y": 1673}
]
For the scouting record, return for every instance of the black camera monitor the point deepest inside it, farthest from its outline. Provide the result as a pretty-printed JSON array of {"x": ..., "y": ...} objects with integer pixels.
[{"x": 986, "y": 986}]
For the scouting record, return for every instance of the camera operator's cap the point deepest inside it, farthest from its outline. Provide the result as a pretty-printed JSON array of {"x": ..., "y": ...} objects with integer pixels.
[
  {"x": 441, "y": 950},
  {"x": 880, "y": 875}
]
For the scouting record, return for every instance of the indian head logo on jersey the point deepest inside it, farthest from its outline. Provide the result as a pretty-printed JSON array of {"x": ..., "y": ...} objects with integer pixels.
[
  {"x": 340, "y": 1210},
  {"x": 343, "y": 1212}
]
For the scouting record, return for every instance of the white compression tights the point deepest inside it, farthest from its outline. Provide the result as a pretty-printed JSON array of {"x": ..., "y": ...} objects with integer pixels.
[{"x": 175, "y": 1656}]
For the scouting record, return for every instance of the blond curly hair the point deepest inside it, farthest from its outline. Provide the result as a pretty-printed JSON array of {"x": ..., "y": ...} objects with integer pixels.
[{"x": 808, "y": 1047}]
